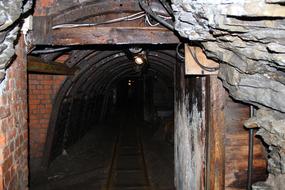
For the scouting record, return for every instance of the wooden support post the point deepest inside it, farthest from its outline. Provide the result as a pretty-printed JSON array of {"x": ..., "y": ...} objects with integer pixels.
[{"x": 215, "y": 179}]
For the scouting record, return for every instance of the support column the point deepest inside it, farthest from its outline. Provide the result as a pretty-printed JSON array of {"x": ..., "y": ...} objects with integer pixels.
[{"x": 189, "y": 130}]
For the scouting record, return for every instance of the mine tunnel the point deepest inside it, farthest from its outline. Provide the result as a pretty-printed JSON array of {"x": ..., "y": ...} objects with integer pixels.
[
  {"x": 125, "y": 106},
  {"x": 112, "y": 126},
  {"x": 142, "y": 95}
]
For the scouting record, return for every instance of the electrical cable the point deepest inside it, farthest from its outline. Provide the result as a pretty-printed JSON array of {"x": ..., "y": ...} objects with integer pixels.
[
  {"x": 167, "y": 7},
  {"x": 149, "y": 11},
  {"x": 125, "y": 18},
  {"x": 156, "y": 24},
  {"x": 209, "y": 69},
  {"x": 46, "y": 51},
  {"x": 165, "y": 17},
  {"x": 177, "y": 52},
  {"x": 149, "y": 23}
]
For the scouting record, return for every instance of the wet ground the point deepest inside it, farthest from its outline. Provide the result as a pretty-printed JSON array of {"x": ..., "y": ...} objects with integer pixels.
[{"x": 125, "y": 155}]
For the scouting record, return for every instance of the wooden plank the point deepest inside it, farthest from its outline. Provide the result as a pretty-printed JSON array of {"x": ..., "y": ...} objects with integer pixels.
[
  {"x": 216, "y": 134},
  {"x": 236, "y": 147},
  {"x": 106, "y": 35},
  {"x": 191, "y": 66},
  {"x": 36, "y": 65}
]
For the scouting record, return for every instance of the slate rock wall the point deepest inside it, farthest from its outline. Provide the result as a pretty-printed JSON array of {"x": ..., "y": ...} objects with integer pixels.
[
  {"x": 11, "y": 14},
  {"x": 247, "y": 38}
]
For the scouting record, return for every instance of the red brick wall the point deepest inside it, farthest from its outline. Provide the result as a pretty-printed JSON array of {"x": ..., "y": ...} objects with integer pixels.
[
  {"x": 42, "y": 91},
  {"x": 41, "y": 7},
  {"x": 13, "y": 125}
]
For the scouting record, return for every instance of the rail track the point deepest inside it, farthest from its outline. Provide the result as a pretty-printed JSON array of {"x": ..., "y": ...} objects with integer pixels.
[{"x": 128, "y": 169}]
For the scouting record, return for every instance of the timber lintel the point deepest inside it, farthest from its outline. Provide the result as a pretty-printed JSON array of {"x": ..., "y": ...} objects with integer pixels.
[
  {"x": 43, "y": 34},
  {"x": 37, "y": 65}
]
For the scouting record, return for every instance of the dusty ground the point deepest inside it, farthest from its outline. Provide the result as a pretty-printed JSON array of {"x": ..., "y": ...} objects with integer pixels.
[{"x": 87, "y": 163}]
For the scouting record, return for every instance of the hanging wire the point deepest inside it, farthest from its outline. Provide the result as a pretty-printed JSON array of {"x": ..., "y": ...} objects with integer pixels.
[
  {"x": 125, "y": 18},
  {"x": 52, "y": 50},
  {"x": 165, "y": 17},
  {"x": 167, "y": 7},
  {"x": 148, "y": 21},
  {"x": 149, "y": 11},
  {"x": 206, "y": 68},
  {"x": 178, "y": 53}
]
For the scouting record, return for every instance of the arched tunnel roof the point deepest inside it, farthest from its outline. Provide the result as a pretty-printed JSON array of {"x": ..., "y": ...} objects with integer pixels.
[
  {"x": 100, "y": 70},
  {"x": 99, "y": 73}
]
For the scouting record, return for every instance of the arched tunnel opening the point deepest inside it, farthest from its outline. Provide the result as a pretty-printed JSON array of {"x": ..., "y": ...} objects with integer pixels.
[
  {"x": 121, "y": 123},
  {"x": 115, "y": 102},
  {"x": 112, "y": 122},
  {"x": 96, "y": 94}
]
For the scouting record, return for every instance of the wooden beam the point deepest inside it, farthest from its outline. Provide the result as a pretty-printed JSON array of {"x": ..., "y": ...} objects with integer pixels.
[
  {"x": 105, "y": 35},
  {"x": 37, "y": 65}
]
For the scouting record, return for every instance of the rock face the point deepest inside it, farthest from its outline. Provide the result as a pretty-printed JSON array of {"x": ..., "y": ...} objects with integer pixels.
[
  {"x": 271, "y": 125},
  {"x": 247, "y": 37},
  {"x": 11, "y": 13}
]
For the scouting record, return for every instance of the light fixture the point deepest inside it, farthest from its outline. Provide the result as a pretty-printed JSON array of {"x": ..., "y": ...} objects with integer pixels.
[
  {"x": 138, "y": 56},
  {"x": 139, "y": 60},
  {"x": 130, "y": 83},
  {"x": 135, "y": 50}
]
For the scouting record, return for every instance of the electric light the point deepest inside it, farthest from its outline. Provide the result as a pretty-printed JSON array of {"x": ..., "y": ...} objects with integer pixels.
[{"x": 139, "y": 60}]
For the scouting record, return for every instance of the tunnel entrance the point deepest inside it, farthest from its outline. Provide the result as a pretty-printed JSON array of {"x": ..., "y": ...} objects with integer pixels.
[
  {"x": 111, "y": 125},
  {"x": 125, "y": 89}
]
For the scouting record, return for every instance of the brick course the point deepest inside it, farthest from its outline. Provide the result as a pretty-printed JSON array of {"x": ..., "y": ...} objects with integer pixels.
[
  {"x": 13, "y": 125},
  {"x": 42, "y": 91},
  {"x": 42, "y": 7}
]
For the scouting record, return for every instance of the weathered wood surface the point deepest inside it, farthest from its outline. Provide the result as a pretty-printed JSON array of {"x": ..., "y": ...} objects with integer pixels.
[
  {"x": 227, "y": 139},
  {"x": 36, "y": 65},
  {"x": 191, "y": 66},
  {"x": 105, "y": 35},
  {"x": 216, "y": 134},
  {"x": 189, "y": 131},
  {"x": 236, "y": 148}
]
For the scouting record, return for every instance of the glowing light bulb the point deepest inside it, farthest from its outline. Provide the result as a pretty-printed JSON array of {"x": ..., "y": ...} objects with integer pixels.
[{"x": 139, "y": 60}]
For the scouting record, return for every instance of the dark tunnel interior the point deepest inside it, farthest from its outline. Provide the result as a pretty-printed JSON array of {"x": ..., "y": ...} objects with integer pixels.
[{"x": 111, "y": 126}]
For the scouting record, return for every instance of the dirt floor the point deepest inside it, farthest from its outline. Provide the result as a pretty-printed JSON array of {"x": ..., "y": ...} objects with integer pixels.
[{"x": 88, "y": 163}]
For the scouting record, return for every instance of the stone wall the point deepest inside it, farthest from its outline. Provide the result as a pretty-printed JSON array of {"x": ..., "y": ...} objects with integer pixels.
[
  {"x": 247, "y": 38},
  {"x": 11, "y": 14}
]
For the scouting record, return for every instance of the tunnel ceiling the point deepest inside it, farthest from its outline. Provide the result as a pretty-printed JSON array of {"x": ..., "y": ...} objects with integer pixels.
[
  {"x": 103, "y": 66},
  {"x": 100, "y": 71},
  {"x": 99, "y": 74}
]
